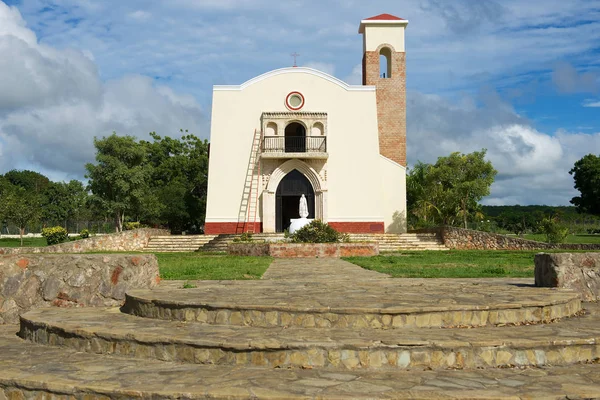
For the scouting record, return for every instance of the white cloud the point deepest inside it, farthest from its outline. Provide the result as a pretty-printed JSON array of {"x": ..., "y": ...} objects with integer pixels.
[
  {"x": 355, "y": 77},
  {"x": 53, "y": 103},
  {"x": 140, "y": 15},
  {"x": 591, "y": 103},
  {"x": 533, "y": 167},
  {"x": 65, "y": 97}
]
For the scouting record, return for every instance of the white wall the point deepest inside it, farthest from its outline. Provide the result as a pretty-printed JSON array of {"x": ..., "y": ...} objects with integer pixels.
[
  {"x": 393, "y": 187},
  {"x": 352, "y": 140},
  {"x": 375, "y": 35}
]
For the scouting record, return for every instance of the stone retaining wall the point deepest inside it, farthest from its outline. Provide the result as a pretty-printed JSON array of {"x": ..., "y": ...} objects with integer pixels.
[
  {"x": 135, "y": 240},
  {"x": 293, "y": 250},
  {"x": 466, "y": 239},
  {"x": 70, "y": 280},
  {"x": 579, "y": 271}
]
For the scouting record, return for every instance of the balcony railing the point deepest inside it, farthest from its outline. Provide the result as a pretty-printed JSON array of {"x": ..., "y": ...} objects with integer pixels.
[{"x": 294, "y": 144}]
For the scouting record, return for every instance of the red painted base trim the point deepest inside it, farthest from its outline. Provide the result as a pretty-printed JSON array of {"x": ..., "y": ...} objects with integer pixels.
[
  {"x": 358, "y": 227},
  {"x": 217, "y": 228}
]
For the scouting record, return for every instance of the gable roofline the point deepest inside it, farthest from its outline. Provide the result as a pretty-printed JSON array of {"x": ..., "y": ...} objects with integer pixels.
[
  {"x": 295, "y": 70},
  {"x": 382, "y": 19}
]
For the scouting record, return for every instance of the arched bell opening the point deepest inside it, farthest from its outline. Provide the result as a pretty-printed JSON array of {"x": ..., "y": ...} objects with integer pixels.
[{"x": 385, "y": 63}]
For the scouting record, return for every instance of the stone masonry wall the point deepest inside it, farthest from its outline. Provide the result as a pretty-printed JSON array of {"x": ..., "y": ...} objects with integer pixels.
[
  {"x": 135, "y": 240},
  {"x": 466, "y": 239},
  {"x": 579, "y": 271},
  {"x": 70, "y": 280},
  {"x": 299, "y": 250}
]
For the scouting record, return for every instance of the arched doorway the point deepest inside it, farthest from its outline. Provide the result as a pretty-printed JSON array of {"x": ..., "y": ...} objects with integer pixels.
[
  {"x": 287, "y": 199},
  {"x": 295, "y": 138}
]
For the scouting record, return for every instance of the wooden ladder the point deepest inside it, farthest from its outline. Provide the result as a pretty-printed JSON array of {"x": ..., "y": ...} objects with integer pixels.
[{"x": 249, "y": 205}]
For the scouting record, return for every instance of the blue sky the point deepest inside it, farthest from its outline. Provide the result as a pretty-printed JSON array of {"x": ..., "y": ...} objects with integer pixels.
[{"x": 521, "y": 79}]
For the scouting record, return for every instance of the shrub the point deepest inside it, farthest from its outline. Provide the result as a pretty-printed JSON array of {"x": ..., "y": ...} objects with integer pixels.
[
  {"x": 84, "y": 234},
  {"x": 317, "y": 232},
  {"x": 554, "y": 231},
  {"x": 244, "y": 237},
  {"x": 129, "y": 226},
  {"x": 55, "y": 235}
]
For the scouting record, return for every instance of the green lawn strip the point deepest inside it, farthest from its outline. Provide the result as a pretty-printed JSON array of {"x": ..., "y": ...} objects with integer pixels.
[
  {"x": 27, "y": 242},
  {"x": 571, "y": 239},
  {"x": 452, "y": 264},
  {"x": 198, "y": 266}
]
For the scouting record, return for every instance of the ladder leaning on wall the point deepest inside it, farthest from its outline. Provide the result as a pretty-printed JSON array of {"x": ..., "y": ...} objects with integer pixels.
[{"x": 249, "y": 205}]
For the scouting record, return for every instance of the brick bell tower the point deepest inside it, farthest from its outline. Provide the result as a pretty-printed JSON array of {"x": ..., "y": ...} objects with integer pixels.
[{"x": 384, "y": 66}]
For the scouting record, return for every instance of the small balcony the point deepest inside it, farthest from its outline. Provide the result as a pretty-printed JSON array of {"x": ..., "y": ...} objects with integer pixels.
[{"x": 294, "y": 147}]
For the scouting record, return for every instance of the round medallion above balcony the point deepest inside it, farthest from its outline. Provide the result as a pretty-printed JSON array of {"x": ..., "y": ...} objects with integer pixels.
[{"x": 294, "y": 101}]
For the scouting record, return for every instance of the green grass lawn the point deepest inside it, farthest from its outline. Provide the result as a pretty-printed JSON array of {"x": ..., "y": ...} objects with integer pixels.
[
  {"x": 27, "y": 242},
  {"x": 452, "y": 264},
  {"x": 574, "y": 239},
  {"x": 198, "y": 266}
]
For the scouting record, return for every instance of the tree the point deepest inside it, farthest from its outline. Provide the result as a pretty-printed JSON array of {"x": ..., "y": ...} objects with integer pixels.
[
  {"x": 4, "y": 187},
  {"x": 450, "y": 190},
  {"x": 518, "y": 222},
  {"x": 421, "y": 196},
  {"x": 586, "y": 174},
  {"x": 157, "y": 182},
  {"x": 21, "y": 207},
  {"x": 119, "y": 180},
  {"x": 31, "y": 181},
  {"x": 180, "y": 180}
]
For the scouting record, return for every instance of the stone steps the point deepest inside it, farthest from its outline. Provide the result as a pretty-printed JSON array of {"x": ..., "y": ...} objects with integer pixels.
[
  {"x": 28, "y": 370},
  {"x": 387, "y": 242},
  {"x": 312, "y": 328},
  {"x": 174, "y": 243},
  {"x": 402, "y": 242},
  {"x": 374, "y": 303},
  {"x": 107, "y": 331}
]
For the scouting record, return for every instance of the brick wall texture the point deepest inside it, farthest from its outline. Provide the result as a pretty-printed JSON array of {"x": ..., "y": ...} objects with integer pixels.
[{"x": 391, "y": 103}]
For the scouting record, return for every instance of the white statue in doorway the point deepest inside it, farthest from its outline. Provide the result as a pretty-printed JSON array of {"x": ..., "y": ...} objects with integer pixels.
[{"x": 303, "y": 207}]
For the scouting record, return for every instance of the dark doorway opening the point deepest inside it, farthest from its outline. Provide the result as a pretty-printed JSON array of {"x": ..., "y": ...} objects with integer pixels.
[
  {"x": 287, "y": 199},
  {"x": 295, "y": 138}
]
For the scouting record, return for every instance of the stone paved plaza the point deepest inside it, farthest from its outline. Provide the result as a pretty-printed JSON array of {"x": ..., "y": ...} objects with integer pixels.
[{"x": 312, "y": 328}]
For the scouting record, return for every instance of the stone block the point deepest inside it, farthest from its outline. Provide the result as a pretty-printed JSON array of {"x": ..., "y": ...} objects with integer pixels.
[
  {"x": 70, "y": 280},
  {"x": 577, "y": 271}
]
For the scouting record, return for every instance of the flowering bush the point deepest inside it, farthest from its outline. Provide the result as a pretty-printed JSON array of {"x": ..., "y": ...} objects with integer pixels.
[{"x": 55, "y": 235}]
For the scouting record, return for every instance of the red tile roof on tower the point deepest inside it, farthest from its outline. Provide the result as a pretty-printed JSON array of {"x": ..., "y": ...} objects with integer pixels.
[{"x": 384, "y": 17}]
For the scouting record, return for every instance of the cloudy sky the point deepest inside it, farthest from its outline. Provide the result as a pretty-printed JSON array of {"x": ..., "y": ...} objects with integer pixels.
[{"x": 519, "y": 78}]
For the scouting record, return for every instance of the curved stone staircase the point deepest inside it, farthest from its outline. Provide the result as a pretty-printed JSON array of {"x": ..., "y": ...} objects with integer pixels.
[{"x": 312, "y": 329}]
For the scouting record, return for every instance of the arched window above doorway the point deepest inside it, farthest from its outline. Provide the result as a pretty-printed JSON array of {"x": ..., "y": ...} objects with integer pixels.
[
  {"x": 295, "y": 138},
  {"x": 385, "y": 62}
]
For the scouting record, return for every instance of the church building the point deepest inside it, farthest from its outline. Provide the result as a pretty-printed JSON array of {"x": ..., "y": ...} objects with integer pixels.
[{"x": 299, "y": 131}]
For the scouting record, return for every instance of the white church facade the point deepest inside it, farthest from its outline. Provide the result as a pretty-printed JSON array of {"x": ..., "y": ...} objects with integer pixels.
[{"x": 298, "y": 131}]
